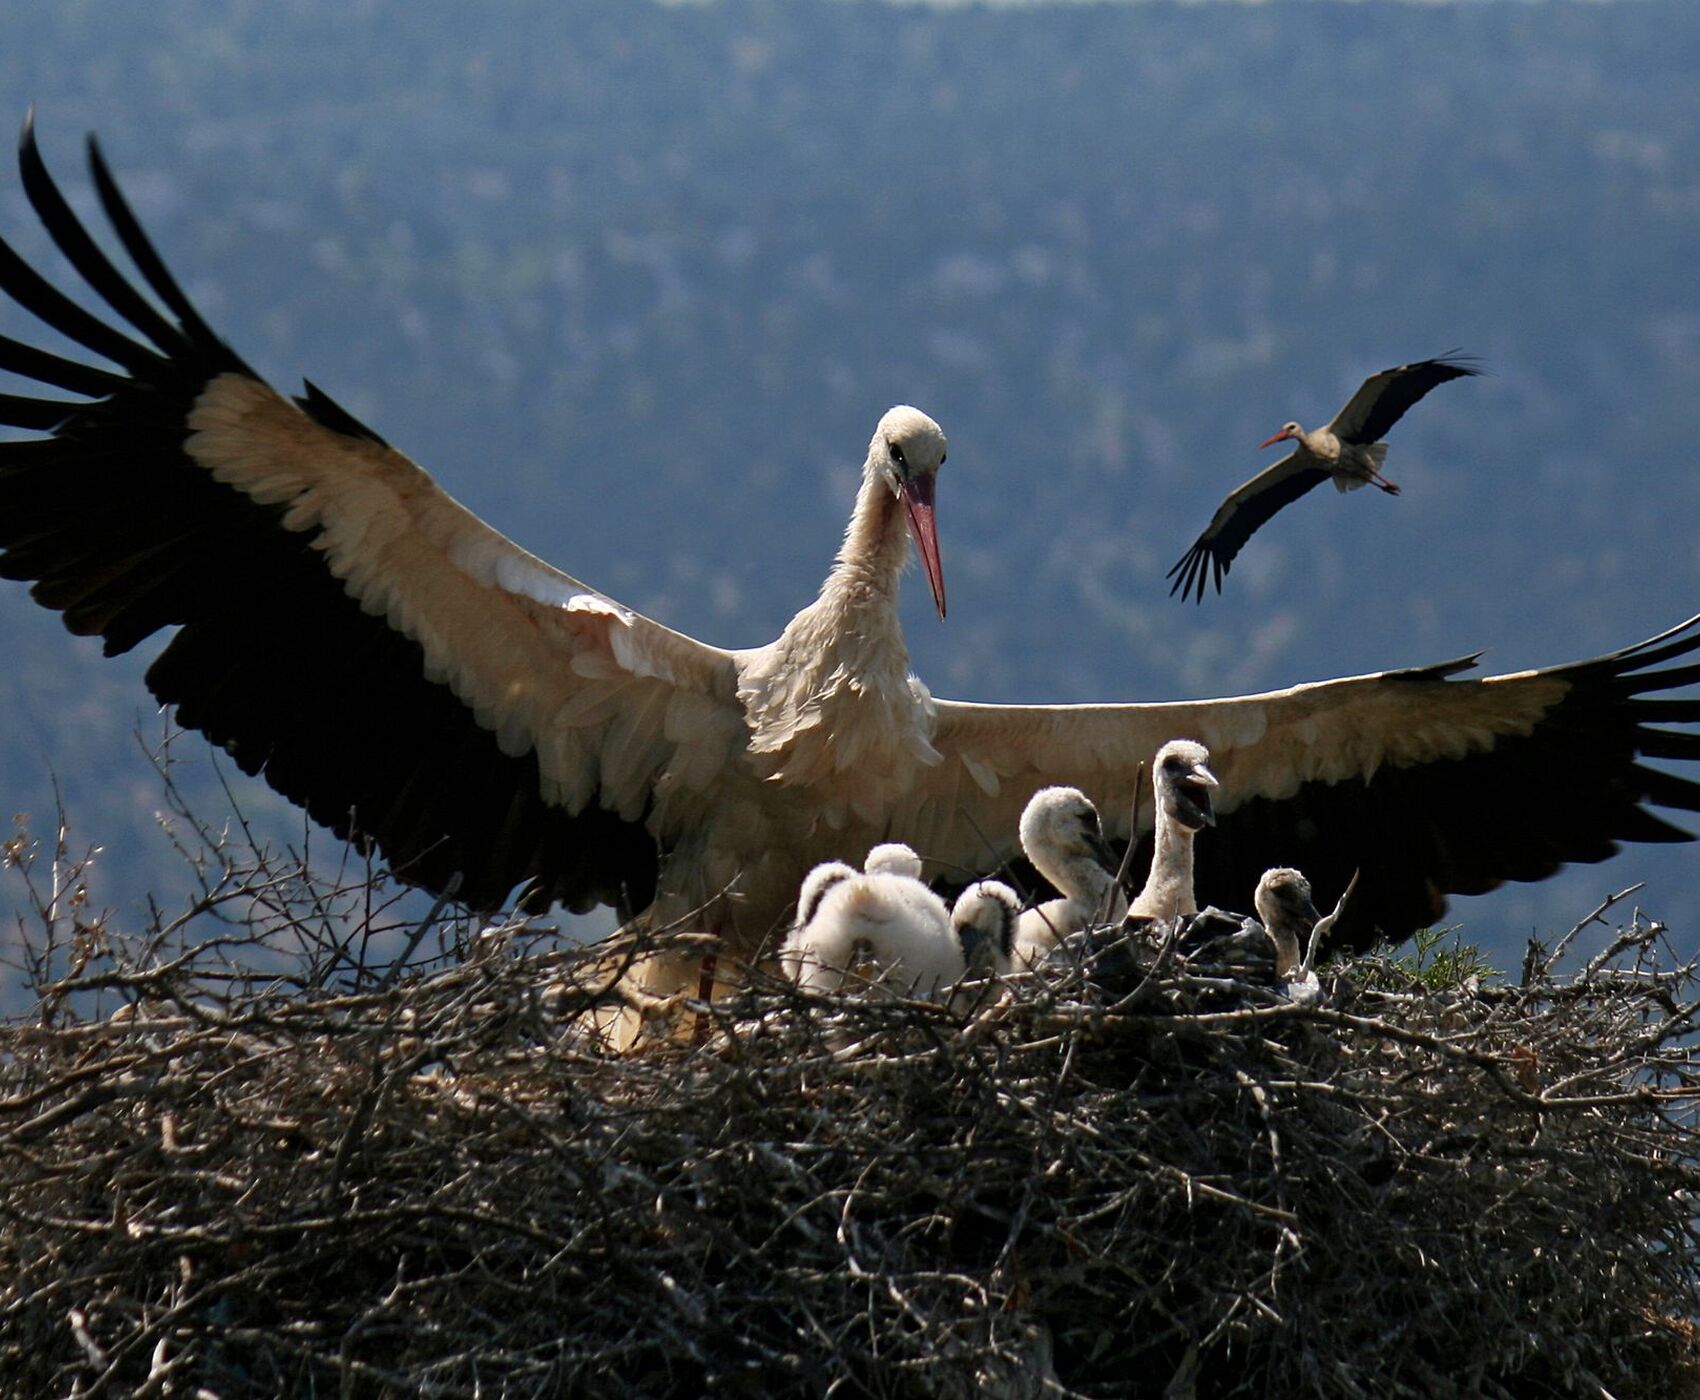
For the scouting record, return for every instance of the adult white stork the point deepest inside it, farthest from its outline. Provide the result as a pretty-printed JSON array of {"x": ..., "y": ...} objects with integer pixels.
[
  {"x": 1348, "y": 450},
  {"x": 419, "y": 682}
]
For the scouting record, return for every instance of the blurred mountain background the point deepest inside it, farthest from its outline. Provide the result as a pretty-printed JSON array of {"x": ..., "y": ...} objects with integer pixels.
[{"x": 635, "y": 282}]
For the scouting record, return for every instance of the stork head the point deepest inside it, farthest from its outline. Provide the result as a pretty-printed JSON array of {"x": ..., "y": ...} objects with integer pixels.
[
  {"x": 907, "y": 451},
  {"x": 816, "y": 885},
  {"x": 984, "y": 920},
  {"x": 1182, "y": 777},
  {"x": 1290, "y": 432},
  {"x": 893, "y": 858},
  {"x": 1283, "y": 901},
  {"x": 1284, "y": 905},
  {"x": 1059, "y": 826}
]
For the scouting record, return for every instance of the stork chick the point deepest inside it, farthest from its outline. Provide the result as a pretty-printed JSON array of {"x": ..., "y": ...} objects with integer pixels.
[
  {"x": 985, "y": 919},
  {"x": 1283, "y": 904},
  {"x": 816, "y": 883},
  {"x": 893, "y": 858},
  {"x": 1181, "y": 777},
  {"x": 891, "y": 921},
  {"x": 1062, "y": 836}
]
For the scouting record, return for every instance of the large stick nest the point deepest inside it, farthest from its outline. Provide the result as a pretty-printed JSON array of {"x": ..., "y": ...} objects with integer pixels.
[{"x": 240, "y": 1160}]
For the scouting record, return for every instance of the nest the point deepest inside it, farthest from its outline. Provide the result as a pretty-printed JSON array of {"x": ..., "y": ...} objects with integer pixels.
[{"x": 243, "y": 1157}]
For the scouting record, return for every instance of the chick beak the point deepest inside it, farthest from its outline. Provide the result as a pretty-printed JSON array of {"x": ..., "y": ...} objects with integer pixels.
[
  {"x": 1102, "y": 851},
  {"x": 1195, "y": 792}
]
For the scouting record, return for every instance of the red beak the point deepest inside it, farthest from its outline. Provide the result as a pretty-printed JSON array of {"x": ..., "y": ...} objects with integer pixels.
[
  {"x": 1281, "y": 436},
  {"x": 918, "y": 501}
]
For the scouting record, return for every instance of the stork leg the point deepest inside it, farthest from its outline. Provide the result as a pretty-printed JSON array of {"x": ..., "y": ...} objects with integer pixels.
[
  {"x": 1383, "y": 482},
  {"x": 705, "y": 994}
]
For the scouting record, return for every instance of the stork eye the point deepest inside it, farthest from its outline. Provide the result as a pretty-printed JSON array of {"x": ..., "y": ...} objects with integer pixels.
[{"x": 897, "y": 455}]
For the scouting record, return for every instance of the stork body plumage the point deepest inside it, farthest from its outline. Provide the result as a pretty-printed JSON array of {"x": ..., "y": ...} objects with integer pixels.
[
  {"x": 891, "y": 922},
  {"x": 1346, "y": 451},
  {"x": 422, "y": 684}
]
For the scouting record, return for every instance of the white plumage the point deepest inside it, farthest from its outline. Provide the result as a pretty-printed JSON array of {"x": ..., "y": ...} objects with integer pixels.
[
  {"x": 890, "y": 927},
  {"x": 1284, "y": 907},
  {"x": 893, "y": 858}
]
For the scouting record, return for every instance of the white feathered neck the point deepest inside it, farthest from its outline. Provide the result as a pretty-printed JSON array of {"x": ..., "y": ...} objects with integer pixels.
[{"x": 833, "y": 697}]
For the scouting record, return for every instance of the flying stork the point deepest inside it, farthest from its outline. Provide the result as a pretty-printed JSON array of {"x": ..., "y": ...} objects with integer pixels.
[
  {"x": 1348, "y": 450},
  {"x": 423, "y": 685}
]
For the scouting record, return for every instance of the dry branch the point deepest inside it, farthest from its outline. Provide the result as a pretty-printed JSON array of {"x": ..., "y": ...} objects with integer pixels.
[{"x": 254, "y": 1164}]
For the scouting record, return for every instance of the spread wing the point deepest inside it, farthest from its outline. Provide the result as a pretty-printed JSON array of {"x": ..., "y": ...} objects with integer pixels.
[
  {"x": 1383, "y": 399},
  {"x": 1238, "y": 518},
  {"x": 1431, "y": 784},
  {"x": 344, "y": 628}
]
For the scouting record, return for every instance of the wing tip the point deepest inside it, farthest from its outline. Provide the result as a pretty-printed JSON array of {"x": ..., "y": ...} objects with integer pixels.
[
  {"x": 1463, "y": 364},
  {"x": 1195, "y": 569},
  {"x": 328, "y": 413},
  {"x": 1437, "y": 671}
]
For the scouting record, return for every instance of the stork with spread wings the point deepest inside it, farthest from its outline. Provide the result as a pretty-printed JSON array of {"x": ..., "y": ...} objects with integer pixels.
[{"x": 419, "y": 682}]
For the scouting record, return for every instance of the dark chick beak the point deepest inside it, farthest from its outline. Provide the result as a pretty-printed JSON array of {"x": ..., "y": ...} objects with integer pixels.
[
  {"x": 917, "y": 495},
  {"x": 1102, "y": 851},
  {"x": 1193, "y": 791}
]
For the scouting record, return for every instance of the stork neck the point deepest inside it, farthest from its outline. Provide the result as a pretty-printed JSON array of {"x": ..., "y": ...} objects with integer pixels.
[
  {"x": 876, "y": 546},
  {"x": 1319, "y": 442},
  {"x": 1171, "y": 865},
  {"x": 1174, "y": 847},
  {"x": 1286, "y": 948},
  {"x": 1079, "y": 877}
]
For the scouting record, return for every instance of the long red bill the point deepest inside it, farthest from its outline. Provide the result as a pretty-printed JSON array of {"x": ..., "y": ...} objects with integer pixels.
[
  {"x": 1279, "y": 437},
  {"x": 918, "y": 501}
]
